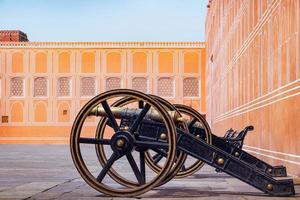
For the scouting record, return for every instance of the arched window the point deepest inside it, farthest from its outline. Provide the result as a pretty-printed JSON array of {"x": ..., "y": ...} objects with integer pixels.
[
  {"x": 63, "y": 87},
  {"x": 87, "y": 87},
  {"x": 191, "y": 87},
  {"x": 165, "y": 87},
  {"x": 16, "y": 112},
  {"x": 40, "y": 112},
  {"x": 165, "y": 62},
  {"x": 40, "y": 62},
  {"x": 40, "y": 87},
  {"x": 113, "y": 63},
  {"x": 140, "y": 84},
  {"x": 17, "y": 87},
  {"x": 17, "y": 63},
  {"x": 139, "y": 60},
  {"x": 88, "y": 62},
  {"x": 64, "y": 63},
  {"x": 113, "y": 83},
  {"x": 191, "y": 62},
  {"x": 64, "y": 112}
]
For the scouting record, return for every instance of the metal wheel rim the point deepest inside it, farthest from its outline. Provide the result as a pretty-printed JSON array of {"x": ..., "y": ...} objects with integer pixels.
[
  {"x": 77, "y": 157},
  {"x": 103, "y": 158},
  {"x": 198, "y": 164},
  {"x": 181, "y": 160}
]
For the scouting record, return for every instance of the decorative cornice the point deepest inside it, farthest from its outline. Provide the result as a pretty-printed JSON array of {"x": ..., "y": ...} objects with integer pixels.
[{"x": 92, "y": 45}]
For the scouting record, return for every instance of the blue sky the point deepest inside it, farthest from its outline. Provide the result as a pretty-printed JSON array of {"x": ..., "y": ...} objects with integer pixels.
[{"x": 106, "y": 20}]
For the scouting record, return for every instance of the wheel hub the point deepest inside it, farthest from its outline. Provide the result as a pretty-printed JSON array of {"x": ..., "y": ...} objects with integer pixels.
[{"x": 122, "y": 142}]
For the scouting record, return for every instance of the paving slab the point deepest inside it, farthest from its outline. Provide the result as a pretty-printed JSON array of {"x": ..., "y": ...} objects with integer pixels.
[{"x": 47, "y": 172}]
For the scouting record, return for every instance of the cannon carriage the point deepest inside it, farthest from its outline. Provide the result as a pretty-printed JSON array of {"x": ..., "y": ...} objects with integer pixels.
[{"x": 159, "y": 141}]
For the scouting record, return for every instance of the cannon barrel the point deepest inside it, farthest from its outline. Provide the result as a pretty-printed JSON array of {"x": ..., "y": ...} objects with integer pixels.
[
  {"x": 120, "y": 113},
  {"x": 152, "y": 114}
]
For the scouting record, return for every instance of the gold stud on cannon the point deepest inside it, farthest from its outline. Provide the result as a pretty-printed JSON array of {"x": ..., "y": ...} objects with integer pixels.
[
  {"x": 163, "y": 136},
  {"x": 124, "y": 128},
  {"x": 220, "y": 161},
  {"x": 270, "y": 187}
]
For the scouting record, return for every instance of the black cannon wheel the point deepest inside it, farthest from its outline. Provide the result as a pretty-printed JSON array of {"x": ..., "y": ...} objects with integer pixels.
[
  {"x": 191, "y": 165},
  {"x": 180, "y": 157},
  {"x": 187, "y": 168},
  {"x": 122, "y": 143},
  {"x": 153, "y": 160}
]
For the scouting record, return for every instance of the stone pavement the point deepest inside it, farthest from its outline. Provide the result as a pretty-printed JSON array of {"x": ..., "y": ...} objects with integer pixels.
[{"x": 47, "y": 172}]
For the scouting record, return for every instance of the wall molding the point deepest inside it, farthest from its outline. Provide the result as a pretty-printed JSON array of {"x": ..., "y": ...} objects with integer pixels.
[
  {"x": 273, "y": 157},
  {"x": 265, "y": 100},
  {"x": 274, "y": 152},
  {"x": 87, "y": 45}
]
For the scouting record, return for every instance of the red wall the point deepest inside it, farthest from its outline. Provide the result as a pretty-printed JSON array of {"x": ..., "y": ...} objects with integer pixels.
[{"x": 253, "y": 75}]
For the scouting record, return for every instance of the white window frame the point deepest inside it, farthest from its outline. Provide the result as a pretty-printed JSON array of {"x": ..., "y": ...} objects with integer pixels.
[
  {"x": 199, "y": 85},
  {"x": 10, "y": 87},
  {"x": 108, "y": 77},
  {"x": 80, "y": 84},
  {"x": 173, "y": 83},
  {"x": 57, "y": 87},
  {"x": 147, "y": 82},
  {"x": 47, "y": 89}
]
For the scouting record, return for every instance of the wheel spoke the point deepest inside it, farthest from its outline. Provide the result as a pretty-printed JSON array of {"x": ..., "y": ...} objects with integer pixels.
[
  {"x": 160, "y": 152},
  {"x": 135, "y": 169},
  {"x": 111, "y": 118},
  {"x": 94, "y": 141},
  {"x": 106, "y": 168},
  {"x": 141, "y": 104},
  {"x": 155, "y": 156},
  {"x": 139, "y": 118},
  {"x": 158, "y": 158},
  {"x": 142, "y": 165},
  {"x": 152, "y": 145},
  {"x": 191, "y": 123},
  {"x": 183, "y": 168}
]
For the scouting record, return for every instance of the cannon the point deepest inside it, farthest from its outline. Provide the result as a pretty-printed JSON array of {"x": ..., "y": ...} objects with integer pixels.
[{"x": 159, "y": 141}]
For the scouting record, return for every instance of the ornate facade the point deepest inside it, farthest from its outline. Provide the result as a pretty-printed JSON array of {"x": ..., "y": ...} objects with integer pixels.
[
  {"x": 44, "y": 84},
  {"x": 253, "y": 75}
]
